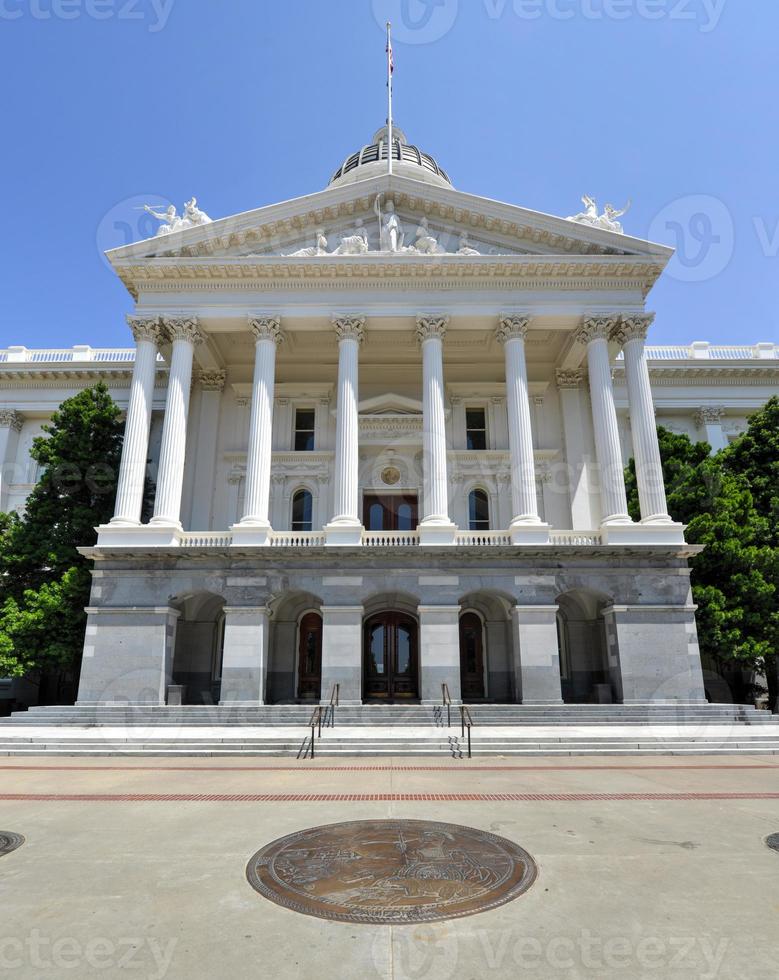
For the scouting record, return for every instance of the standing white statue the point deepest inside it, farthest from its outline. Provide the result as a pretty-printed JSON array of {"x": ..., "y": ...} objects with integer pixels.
[
  {"x": 319, "y": 249},
  {"x": 193, "y": 215},
  {"x": 171, "y": 220},
  {"x": 392, "y": 234},
  {"x": 426, "y": 243},
  {"x": 465, "y": 246},
  {"x": 355, "y": 243}
]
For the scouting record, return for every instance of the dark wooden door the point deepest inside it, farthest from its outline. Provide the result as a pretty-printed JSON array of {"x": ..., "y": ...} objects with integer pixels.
[
  {"x": 471, "y": 658},
  {"x": 310, "y": 658},
  {"x": 393, "y": 512},
  {"x": 391, "y": 671}
]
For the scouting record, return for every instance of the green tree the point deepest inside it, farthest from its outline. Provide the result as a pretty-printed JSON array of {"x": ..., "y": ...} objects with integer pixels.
[
  {"x": 46, "y": 582},
  {"x": 728, "y": 505}
]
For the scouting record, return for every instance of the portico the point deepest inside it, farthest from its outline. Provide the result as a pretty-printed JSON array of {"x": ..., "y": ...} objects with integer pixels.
[{"x": 388, "y": 459}]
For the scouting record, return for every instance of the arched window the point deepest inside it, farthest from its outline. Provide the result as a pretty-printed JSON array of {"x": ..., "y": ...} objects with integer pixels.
[
  {"x": 479, "y": 510},
  {"x": 302, "y": 511}
]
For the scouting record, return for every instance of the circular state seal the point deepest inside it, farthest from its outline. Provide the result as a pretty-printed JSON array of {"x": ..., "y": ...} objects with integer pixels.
[
  {"x": 9, "y": 842},
  {"x": 391, "y": 872}
]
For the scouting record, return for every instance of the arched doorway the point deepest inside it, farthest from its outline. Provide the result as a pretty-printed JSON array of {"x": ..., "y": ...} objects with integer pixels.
[
  {"x": 391, "y": 658},
  {"x": 310, "y": 657},
  {"x": 584, "y": 663},
  {"x": 472, "y": 657},
  {"x": 199, "y": 647}
]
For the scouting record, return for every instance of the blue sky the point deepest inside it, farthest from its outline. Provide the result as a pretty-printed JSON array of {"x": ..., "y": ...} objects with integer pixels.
[{"x": 669, "y": 102}]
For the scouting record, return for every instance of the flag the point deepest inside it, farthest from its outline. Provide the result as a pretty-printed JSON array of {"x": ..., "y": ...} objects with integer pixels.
[{"x": 390, "y": 53}]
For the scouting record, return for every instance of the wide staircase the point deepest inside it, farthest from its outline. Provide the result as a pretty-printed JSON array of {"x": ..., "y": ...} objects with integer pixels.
[{"x": 403, "y": 731}]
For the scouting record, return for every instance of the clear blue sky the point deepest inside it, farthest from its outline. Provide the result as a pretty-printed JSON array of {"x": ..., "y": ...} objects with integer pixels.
[{"x": 245, "y": 103}]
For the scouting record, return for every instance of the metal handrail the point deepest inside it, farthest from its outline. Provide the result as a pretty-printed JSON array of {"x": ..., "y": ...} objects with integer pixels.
[
  {"x": 447, "y": 703},
  {"x": 467, "y": 722},
  {"x": 316, "y": 720}
]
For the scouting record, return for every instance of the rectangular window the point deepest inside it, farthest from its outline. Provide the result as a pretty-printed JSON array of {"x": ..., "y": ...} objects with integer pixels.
[
  {"x": 305, "y": 426},
  {"x": 476, "y": 428}
]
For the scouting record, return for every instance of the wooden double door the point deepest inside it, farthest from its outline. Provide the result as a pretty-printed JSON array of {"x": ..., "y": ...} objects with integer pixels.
[
  {"x": 310, "y": 658},
  {"x": 390, "y": 658},
  {"x": 391, "y": 512}
]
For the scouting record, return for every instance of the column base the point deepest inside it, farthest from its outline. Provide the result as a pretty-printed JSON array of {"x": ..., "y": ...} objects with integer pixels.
[
  {"x": 155, "y": 535},
  {"x": 251, "y": 535},
  {"x": 343, "y": 535},
  {"x": 522, "y": 533},
  {"x": 650, "y": 534},
  {"x": 437, "y": 535}
]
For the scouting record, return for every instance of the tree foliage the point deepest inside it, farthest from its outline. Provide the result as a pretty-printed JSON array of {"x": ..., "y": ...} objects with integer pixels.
[
  {"x": 730, "y": 504},
  {"x": 46, "y": 582}
]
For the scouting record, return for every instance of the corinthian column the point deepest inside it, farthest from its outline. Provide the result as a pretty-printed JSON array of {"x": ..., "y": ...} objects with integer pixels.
[
  {"x": 526, "y": 525},
  {"x": 646, "y": 449},
  {"x": 135, "y": 449},
  {"x": 595, "y": 333},
  {"x": 436, "y": 526},
  {"x": 345, "y": 527},
  {"x": 11, "y": 423},
  {"x": 185, "y": 335},
  {"x": 267, "y": 331}
]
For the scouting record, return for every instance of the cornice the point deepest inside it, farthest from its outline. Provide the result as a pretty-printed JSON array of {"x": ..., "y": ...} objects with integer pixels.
[{"x": 455, "y": 271}]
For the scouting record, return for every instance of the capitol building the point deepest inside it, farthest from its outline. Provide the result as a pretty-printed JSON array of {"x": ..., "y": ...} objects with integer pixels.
[{"x": 387, "y": 425}]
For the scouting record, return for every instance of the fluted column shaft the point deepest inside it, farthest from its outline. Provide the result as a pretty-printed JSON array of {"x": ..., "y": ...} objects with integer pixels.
[
  {"x": 257, "y": 505},
  {"x": 511, "y": 333},
  {"x": 185, "y": 336},
  {"x": 646, "y": 448},
  {"x": 595, "y": 334},
  {"x": 431, "y": 331},
  {"x": 350, "y": 332},
  {"x": 135, "y": 449}
]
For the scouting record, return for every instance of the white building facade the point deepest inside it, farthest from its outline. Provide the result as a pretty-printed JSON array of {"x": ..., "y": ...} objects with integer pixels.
[{"x": 387, "y": 425}]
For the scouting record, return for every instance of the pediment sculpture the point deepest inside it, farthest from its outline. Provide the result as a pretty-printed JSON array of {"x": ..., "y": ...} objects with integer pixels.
[
  {"x": 606, "y": 221},
  {"x": 172, "y": 221},
  {"x": 392, "y": 238}
]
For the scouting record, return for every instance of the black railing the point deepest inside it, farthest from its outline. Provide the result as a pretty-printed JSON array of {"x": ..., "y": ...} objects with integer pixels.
[
  {"x": 322, "y": 714},
  {"x": 447, "y": 702},
  {"x": 467, "y": 723}
]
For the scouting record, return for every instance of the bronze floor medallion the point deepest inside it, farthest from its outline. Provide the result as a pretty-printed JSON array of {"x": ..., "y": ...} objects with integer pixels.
[
  {"x": 391, "y": 872},
  {"x": 9, "y": 842}
]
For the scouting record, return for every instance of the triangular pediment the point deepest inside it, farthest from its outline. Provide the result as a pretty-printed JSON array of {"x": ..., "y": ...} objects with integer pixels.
[
  {"x": 344, "y": 224},
  {"x": 390, "y": 404}
]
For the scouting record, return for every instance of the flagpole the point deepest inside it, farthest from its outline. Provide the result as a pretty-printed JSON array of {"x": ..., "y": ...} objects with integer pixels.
[{"x": 389, "y": 95}]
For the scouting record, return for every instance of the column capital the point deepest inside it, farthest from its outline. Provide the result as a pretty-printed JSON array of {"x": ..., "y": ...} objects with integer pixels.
[
  {"x": 267, "y": 328},
  {"x": 212, "y": 380},
  {"x": 598, "y": 326},
  {"x": 709, "y": 414},
  {"x": 634, "y": 326},
  {"x": 11, "y": 419},
  {"x": 513, "y": 326},
  {"x": 182, "y": 328},
  {"x": 569, "y": 379},
  {"x": 145, "y": 328},
  {"x": 430, "y": 325},
  {"x": 349, "y": 327}
]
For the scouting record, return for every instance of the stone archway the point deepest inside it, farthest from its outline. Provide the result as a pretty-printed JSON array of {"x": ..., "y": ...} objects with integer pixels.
[
  {"x": 486, "y": 648},
  {"x": 584, "y": 664},
  {"x": 199, "y": 646},
  {"x": 295, "y": 654}
]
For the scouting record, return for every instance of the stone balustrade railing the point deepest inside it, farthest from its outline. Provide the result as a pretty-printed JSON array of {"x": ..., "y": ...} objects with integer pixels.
[{"x": 389, "y": 539}]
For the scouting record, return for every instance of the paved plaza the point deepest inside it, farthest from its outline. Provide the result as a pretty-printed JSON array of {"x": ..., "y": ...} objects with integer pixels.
[{"x": 646, "y": 868}]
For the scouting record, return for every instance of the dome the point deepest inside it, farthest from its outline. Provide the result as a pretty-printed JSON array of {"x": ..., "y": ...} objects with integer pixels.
[{"x": 408, "y": 161}]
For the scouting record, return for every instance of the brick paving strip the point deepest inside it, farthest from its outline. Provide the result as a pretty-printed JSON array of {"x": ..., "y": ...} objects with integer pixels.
[
  {"x": 373, "y": 797},
  {"x": 452, "y": 768}
]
